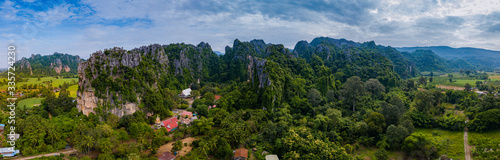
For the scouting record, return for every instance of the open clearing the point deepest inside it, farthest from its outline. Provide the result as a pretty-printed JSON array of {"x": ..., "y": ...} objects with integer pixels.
[
  {"x": 30, "y": 102},
  {"x": 183, "y": 152}
]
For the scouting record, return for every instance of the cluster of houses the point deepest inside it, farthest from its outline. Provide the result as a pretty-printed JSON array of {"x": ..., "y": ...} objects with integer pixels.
[
  {"x": 186, "y": 117},
  {"x": 481, "y": 93},
  {"x": 171, "y": 124},
  {"x": 8, "y": 151}
]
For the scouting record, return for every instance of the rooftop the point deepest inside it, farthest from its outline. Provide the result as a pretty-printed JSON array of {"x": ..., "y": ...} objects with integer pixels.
[{"x": 241, "y": 152}]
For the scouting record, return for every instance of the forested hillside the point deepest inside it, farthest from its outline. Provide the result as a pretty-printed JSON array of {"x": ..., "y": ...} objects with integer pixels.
[
  {"x": 367, "y": 60},
  {"x": 57, "y": 64},
  {"x": 427, "y": 60}
]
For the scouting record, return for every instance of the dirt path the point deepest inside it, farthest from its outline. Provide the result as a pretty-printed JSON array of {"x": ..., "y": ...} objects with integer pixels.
[
  {"x": 65, "y": 152},
  {"x": 466, "y": 144},
  {"x": 183, "y": 152},
  {"x": 451, "y": 87}
]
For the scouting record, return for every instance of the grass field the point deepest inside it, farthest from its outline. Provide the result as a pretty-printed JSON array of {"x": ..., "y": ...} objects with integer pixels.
[
  {"x": 72, "y": 91},
  {"x": 494, "y": 78},
  {"x": 55, "y": 82},
  {"x": 444, "y": 80},
  {"x": 29, "y": 102},
  {"x": 456, "y": 147}
]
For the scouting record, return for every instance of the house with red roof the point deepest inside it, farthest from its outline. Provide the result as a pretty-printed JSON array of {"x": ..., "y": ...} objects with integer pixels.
[
  {"x": 170, "y": 124},
  {"x": 217, "y": 97},
  {"x": 240, "y": 154}
]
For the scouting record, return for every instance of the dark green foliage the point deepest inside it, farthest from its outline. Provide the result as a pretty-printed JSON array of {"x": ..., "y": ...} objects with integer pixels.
[
  {"x": 352, "y": 90},
  {"x": 223, "y": 149},
  {"x": 381, "y": 154},
  {"x": 423, "y": 120},
  {"x": 418, "y": 145},
  {"x": 60, "y": 105},
  {"x": 396, "y": 136},
  {"x": 296, "y": 144},
  {"x": 374, "y": 87},
  {"x": 451, "y": 122},
  {"x": 484, "y": 121},
  {"x": 391, "y": 113}
]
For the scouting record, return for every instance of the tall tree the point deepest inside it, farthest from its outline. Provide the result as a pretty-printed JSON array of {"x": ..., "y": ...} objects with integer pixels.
[
  {"x": 375, "y": 88},
  {"x": 467, "y": 87},
  {"x": 352, "y": 90},
  {"x": 314, "y": 97}
]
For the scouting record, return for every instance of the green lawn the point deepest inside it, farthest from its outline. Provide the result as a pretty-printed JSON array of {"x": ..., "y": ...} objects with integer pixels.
[
  {"x": 72, "y": 91},
  {"x": 29, "y": 102},
  {"x": 456, "y": 141},
  {"x": 55, "y": 82}
]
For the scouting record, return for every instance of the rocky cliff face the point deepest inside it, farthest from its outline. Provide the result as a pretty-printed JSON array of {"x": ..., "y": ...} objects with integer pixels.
[{"x": 120, "y": 78}]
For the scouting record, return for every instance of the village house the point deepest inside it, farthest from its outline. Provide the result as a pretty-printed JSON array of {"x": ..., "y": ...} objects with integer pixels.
[
  {"x": 170, "y": 124},
  {"x": 186, "y": 117},
  {"x": 240, "y": 154},
  {"x": 185, "y": 93},
  {"x": 217, "y": 97},
  {"x": 7, "y": 152}
]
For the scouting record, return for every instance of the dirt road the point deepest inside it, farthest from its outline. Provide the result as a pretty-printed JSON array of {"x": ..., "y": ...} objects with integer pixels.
[
  {"x": 65, "y": 152},
  {"x": 466, "y": 144}
]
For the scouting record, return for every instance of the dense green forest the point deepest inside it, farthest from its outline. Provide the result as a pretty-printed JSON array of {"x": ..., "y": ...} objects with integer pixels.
[{"x": 328, "y": 99}]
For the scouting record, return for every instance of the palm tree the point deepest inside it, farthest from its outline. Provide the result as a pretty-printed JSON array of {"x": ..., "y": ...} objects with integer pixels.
[
  {"x": 52, "y": 132},
  {"x": 88, "y": 141}
]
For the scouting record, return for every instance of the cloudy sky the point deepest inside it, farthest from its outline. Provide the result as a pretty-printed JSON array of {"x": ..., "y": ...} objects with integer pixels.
[{"x": 85, "y": 26}]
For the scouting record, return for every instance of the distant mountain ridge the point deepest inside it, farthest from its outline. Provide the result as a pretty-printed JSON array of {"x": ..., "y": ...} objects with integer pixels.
[
  {"x": 484, "y": 58},
  {"x": 48, "y": 65}
]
